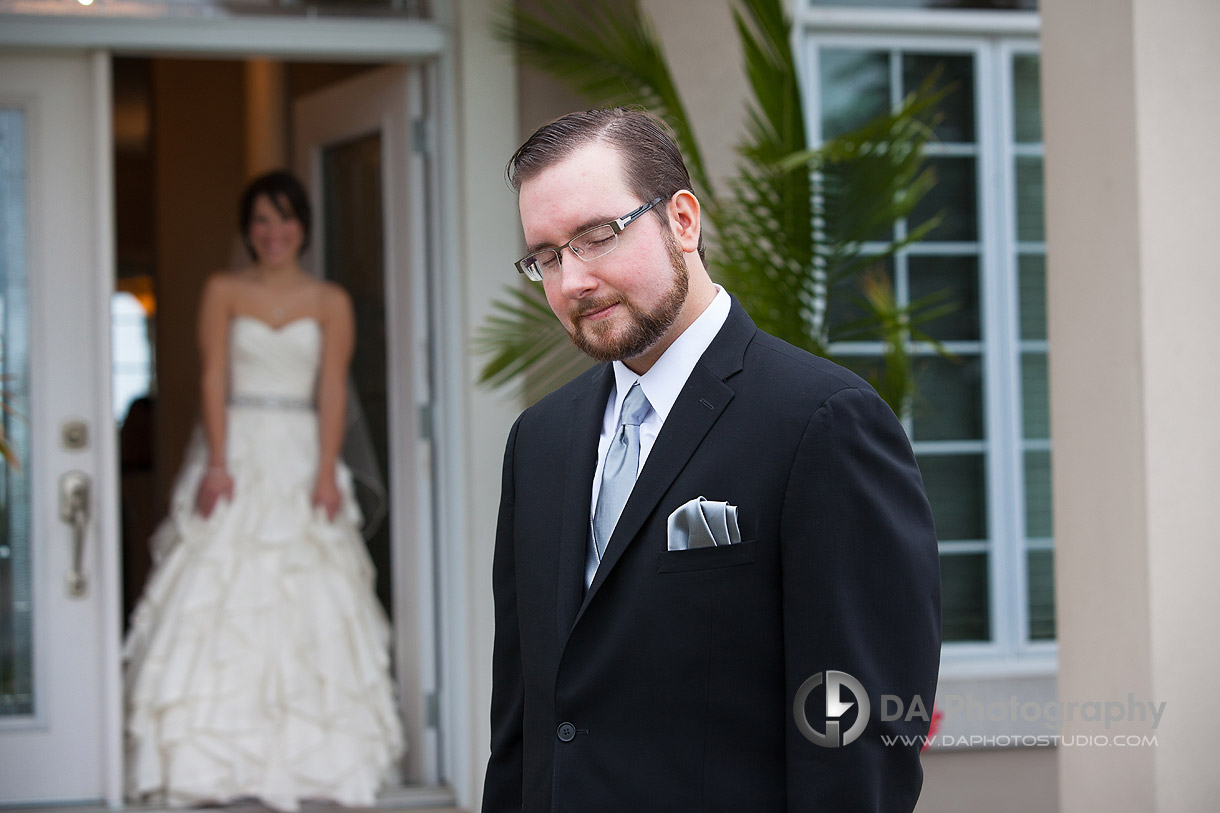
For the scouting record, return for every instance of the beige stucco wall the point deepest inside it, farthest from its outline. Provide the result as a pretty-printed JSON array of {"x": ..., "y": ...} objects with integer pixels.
[
  {"x": 1016, "y": 780},
  {"x": 1132, "y": 170},
  {"x": 700, "y": 41},
  {"x": 486, "y": 234}
]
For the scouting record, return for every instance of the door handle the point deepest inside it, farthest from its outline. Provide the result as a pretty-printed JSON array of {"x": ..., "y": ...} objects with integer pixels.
[{"x": 74, "y": 510}]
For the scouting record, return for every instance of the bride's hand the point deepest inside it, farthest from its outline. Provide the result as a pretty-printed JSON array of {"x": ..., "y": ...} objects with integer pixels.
[
  {"x": 216, "y": 484},
  {"x": 326, "y": 496}
]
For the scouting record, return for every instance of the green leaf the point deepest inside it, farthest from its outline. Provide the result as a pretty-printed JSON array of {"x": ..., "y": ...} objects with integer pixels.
[{"x": 798, "y": 228}]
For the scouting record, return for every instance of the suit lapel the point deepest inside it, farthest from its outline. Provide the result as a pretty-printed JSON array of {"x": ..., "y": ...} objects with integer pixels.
[
  {"x": 584, "y": 429},
  {"x": 701, "y": 402}
]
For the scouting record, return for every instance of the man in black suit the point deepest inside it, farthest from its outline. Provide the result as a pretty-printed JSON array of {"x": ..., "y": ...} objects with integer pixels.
[{"x": 674, "y": 656}]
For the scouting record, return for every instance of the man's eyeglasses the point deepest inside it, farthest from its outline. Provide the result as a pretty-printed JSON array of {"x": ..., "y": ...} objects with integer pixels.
[{"x": 588, "y": 245}]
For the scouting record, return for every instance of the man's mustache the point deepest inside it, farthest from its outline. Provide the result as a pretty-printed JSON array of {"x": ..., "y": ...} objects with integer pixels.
[{"x": 585, "y": 308}]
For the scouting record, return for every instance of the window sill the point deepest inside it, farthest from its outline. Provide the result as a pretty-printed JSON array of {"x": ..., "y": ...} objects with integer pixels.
[{"x": 997, "y": 702}]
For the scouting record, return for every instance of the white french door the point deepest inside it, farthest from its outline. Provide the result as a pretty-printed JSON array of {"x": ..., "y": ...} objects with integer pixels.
[
  {"x": 59, "y": 667},
  {"x": 359, "y": 147}
]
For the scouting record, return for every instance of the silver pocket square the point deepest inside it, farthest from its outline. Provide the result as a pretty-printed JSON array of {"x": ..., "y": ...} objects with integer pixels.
[{"x": 701, "y": 523}]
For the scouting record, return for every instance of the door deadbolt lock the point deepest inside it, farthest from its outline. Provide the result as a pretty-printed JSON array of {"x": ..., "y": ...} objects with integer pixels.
[{"x": 74, "y": 434}]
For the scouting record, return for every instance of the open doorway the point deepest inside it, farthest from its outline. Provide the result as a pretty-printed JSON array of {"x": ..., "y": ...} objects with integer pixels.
[{"x": 188, "y": 134}]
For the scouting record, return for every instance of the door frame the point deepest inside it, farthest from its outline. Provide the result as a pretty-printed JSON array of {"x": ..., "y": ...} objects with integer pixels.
[
  {"x": 389, "y": 101},
  {"x": 429, "y": 45}
]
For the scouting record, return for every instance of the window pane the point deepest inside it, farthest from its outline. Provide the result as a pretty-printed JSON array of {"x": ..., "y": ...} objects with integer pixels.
[
  {"x": 949, "y": 398},
  {"x": 1035, "y": 399},
  {"x": 989, "y": 5},
  {"x": 855, "y": 87},
  {"x": 1027, "y": 99},
  {"x": 954, "y": 198},
  {"x": 1029, "y": 200},
  {"x": 1031, "y": 269},
  {"x": 955, "y": 72},
  {"x": 16, "y": 606},
  {"x": 846, "y": 304},
  {"x": 953, "y": 282},
  {"x": 1041, "y": 568},
  {"x": 964, "y": 597},
  {"x": 955, "y": 486},
  {"x": 1038, "y": 515}
]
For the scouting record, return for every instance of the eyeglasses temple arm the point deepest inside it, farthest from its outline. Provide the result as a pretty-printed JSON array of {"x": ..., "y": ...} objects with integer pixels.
[{"x": 626, "y": 219}]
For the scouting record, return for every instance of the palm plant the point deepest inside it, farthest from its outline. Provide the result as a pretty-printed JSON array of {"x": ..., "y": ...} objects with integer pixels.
[{"x": 790, "y": 236}]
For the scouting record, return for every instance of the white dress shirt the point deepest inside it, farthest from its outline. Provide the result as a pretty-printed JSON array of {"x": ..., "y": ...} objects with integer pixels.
[{"x": 661, "y": 384}]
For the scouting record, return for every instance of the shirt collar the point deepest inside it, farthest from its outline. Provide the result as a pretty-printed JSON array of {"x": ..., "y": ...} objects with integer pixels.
[{"x": 666, "y": 378}]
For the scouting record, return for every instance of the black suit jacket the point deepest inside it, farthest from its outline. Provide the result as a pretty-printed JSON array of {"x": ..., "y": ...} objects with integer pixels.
[{"x": 669, "y": 685}]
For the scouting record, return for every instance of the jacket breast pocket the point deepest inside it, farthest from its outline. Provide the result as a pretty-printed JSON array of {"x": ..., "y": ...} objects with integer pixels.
[{"x": 710, "y": 558}]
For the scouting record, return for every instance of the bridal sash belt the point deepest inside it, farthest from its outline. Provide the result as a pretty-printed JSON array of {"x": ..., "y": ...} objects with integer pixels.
[{"x": 271, "y": 402}]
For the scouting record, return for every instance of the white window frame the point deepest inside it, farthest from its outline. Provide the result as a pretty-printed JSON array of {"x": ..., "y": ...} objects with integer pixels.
[{"x": 993, "y": 39}]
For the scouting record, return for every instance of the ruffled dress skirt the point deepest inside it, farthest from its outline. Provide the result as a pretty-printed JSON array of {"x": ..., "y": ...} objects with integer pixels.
[{"x": 257, "y": 664}]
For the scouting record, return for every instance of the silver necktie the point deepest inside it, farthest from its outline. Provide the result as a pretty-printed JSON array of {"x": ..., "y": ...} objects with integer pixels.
[{"x": 618, "y": 476}]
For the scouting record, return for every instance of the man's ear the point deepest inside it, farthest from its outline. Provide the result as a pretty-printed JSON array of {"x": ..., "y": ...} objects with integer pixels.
[{"x": 683, "y": 209}]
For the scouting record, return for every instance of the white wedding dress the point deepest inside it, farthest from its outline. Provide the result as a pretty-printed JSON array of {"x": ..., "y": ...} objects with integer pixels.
[{"x": 257, "y": 664}]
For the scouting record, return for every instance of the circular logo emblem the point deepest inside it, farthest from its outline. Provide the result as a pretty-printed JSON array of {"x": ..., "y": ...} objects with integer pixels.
[{"x": 835, "y": 708}]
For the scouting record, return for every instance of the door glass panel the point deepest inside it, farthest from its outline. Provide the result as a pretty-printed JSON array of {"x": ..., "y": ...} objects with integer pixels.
[
  {"x": 355, "y": 258},
  {"x": 16, "y": 606}
]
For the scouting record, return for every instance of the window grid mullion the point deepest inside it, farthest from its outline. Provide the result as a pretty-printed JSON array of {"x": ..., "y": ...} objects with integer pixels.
[{"x": 1009, "y": 463}]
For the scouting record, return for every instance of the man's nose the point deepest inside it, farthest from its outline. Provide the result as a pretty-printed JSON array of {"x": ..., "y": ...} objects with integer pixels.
[{"x": 575, "y": 277}]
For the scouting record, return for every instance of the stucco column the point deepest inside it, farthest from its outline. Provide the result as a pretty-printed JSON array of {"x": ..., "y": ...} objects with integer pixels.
[
  {"x": 483, "y": 241},
  {"x": 1131, "y": 116}
]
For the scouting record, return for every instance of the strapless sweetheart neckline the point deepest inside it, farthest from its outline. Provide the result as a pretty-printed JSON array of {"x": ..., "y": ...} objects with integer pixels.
[{"x": 277, "y": 328}]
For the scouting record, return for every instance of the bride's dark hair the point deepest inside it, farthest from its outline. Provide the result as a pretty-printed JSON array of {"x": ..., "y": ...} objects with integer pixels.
[{"x": 288, "y": 197}]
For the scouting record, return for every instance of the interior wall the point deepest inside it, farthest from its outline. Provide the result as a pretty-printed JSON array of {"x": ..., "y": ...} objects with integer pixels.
[{"x": 198, "y": 111}]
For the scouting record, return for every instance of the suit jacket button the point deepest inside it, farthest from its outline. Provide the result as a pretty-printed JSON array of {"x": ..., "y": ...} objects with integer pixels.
[{"x": 566, "y": 732}]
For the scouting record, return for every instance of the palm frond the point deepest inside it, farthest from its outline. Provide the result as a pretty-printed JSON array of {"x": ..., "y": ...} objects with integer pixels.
[
  {"x": 798, "y": 228},
  {"x": 523, "y": 336}
]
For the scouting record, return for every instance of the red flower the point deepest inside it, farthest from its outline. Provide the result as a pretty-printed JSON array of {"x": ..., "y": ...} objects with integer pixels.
[{"x": 937, "y": 714}]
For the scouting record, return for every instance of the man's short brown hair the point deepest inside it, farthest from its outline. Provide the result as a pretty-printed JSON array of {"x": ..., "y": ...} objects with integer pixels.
[{"x": 651, "y": 159}]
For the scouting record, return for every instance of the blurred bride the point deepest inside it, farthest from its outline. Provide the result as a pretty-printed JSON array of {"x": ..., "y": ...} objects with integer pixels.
[{"x": 258, "y": 659}]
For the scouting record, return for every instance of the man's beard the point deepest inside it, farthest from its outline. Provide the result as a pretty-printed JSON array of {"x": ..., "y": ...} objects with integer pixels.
[{"x": 645, "y": 329}]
